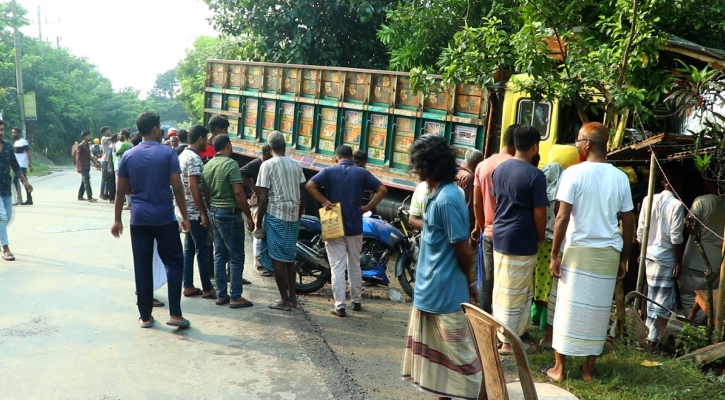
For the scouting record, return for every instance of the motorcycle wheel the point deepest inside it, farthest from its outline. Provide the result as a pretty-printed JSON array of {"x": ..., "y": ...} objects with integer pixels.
[
  {"x": 310, "y": 278},
  {"x": 407, "y": 278}
]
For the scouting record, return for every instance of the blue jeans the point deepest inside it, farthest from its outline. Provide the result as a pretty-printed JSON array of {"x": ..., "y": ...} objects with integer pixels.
[
  {"x": 195, "y": 243},
  {"x": 6, "y": 214},
  {"x": 228, "y": 226}
]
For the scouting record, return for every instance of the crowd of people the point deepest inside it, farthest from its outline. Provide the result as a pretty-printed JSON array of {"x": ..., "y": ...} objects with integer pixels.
[
  {"x": 554, "y": 240},
  {"x": 551, "y": 232},
  {"x": 199, "y": 188}
]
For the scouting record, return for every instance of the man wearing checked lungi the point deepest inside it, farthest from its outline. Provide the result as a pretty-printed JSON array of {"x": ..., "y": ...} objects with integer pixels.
[
  {"x": 439, "y": 355},
  {"x": 592, "y": 197},
  {"x": 280, "y": 183},
  {"x": 518, "y": 229},
  {"x": 665, "y": 247}
]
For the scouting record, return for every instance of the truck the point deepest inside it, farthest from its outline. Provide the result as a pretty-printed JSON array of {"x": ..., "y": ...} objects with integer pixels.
[{"x": 318, "y": 108}]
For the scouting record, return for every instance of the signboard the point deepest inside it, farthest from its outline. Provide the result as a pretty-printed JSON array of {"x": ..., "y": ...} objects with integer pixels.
[
  {"x": 31, "y": 112},
  {"x": 464, "y": 135}
]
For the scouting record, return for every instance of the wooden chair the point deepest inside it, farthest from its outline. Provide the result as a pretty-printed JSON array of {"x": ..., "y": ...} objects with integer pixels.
[{"x": 493, "y": 385}]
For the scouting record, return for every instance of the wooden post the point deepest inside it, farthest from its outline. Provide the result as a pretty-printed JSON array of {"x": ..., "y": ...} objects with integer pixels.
[
  {"x": 645, "y": 234},
  {"x": 721, "y": 297}
]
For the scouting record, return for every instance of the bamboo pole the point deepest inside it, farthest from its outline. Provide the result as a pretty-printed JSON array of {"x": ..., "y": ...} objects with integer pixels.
[{"x": 645, "y": 234}]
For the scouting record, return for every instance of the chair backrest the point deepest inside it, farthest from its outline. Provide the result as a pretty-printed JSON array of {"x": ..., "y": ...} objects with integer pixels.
[{"x": 483, "y": 331}]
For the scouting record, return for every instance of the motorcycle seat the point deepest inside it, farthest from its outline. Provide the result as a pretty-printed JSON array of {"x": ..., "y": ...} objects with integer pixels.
[{"x": 310, "y": 217}]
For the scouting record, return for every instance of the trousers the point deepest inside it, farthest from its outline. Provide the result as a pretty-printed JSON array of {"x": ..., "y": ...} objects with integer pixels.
[
  {"x": 344, "y": 254},
  {"x": 171, "y": 253},
  {"x": 85, "y": 184}
]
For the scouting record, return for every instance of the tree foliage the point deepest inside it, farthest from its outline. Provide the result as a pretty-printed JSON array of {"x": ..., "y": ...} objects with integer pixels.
[
  {"x": 163, "y": 99},
  {"x": 71, "y": 95},
  {"x": 318, "y": 32},
  {"x": 416, "y": 31},
  {"x": 191, "y": 70},
  {"x": 607, "y": 53}
]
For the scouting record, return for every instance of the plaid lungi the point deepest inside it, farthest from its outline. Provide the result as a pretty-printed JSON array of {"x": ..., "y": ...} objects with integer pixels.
[
  {"x": 280, "y": 243},
  {"x": 513, "y": 291},
  {"x": 440, "y": 356}
]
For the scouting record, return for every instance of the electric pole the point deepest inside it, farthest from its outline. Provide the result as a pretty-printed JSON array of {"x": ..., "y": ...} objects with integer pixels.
[
  {"x": 40, "y": 27},
  {"x": 18, "y": 68}
]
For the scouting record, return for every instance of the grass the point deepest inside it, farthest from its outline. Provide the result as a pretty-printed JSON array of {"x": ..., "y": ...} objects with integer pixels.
[
  {"x": 39, "y": 169},
  {"x": 620, "y": 375}
]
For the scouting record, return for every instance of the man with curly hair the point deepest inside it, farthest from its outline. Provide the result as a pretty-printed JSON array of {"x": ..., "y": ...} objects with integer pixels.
[{"x": 439, "y": 355}]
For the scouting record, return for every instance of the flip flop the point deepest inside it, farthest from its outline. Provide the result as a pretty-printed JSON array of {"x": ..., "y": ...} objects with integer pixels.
[
  {"x": 148, "y": 324},
  {"x": 184, "y": 323},
  {"x": 209, "y": 296},
  {"x": 196, "y": 292},
  {"x": 266, "y": 273},
  {"x": 543, "y": 346},
  {"x": 545, "y": 371},
  {"x": 246, "y": 282},
  {"x": 278, "y": 306},
  {"x": 246, "y": 304},
  {"x": 158, "y": 303},
  {"x": 8, "y": 257}
]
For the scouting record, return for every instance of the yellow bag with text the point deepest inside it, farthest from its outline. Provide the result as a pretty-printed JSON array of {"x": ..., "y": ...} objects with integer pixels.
[{"x": 331, "y": 221}]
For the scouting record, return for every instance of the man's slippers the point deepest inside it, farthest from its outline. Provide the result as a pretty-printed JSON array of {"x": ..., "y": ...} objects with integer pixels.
[
  {"x": 196, "y": 292},
  {"x": 246, "y": 304},
  {"x": 147, "y": 324},
  {"x": 246, "y": 282},
  {"x": 8, "y": 257},
  {"x": 184, "y": 323}
]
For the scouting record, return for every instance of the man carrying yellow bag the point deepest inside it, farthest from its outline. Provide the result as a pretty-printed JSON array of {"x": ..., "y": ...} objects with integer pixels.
[{"x": 344, "y": 184}]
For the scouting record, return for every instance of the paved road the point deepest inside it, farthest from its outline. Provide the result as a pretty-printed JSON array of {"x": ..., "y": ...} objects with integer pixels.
[{"x": 68, "y": 325}]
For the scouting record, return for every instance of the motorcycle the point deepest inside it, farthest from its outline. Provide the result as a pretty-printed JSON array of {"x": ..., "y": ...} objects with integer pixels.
[
  {"x": 381, "y": 240},
  {"x": 407, "y": 259}
]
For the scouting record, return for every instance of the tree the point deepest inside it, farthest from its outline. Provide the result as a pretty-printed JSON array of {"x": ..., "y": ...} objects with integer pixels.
[
  {"x": 71, "y": 95},
  {"x": 589, "y": 54},
  {"x": 318, "y": 32},
  {"x": 163, "y": 99},
  {"x": 191, "y": 70},
  {"x": 416, "y": 31}
]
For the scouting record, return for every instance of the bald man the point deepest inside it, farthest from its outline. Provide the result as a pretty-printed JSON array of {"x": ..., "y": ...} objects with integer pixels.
[
  {"x": 592, "y": 197},
  {"x": 465, "y": 178}
]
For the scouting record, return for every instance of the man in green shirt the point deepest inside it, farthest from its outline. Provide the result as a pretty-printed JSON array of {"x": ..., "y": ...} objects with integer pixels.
[{"x": 221, "y": 175}]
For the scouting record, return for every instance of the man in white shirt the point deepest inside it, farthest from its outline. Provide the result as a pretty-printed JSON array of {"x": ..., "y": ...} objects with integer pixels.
[
  {"x": 21, "y": 147},
  {"x": 593, "y": 196},
  {"x": 663, "y": 256}
]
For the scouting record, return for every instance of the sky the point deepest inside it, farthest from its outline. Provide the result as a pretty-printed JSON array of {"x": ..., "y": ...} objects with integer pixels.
[{"x": 130, "y": 41}]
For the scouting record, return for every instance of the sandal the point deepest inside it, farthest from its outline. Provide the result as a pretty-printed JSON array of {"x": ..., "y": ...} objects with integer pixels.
[
  {"x": 196, "y": 292},
  {"x": 211, "y": 295},
  {"x": 545, "y": 371},
  {"x": 246, "y": 282},
  {"x": 8, "y": 256}
]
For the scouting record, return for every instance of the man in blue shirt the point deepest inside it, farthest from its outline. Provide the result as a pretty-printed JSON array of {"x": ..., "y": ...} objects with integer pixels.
[
  {"x": 345, "y": 183},
  {"x": 518, "y": 229},
  {"x": 153, "y": 172},
  {"x": 439, "y": 354}
]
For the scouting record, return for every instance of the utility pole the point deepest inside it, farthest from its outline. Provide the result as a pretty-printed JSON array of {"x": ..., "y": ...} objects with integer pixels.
[
  {"x": 18, "y": 68},
  {"x": 40, "y": 27}
]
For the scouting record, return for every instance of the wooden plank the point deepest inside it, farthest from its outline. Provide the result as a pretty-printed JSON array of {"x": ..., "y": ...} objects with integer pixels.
[{"x": 706, "y": 355}]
